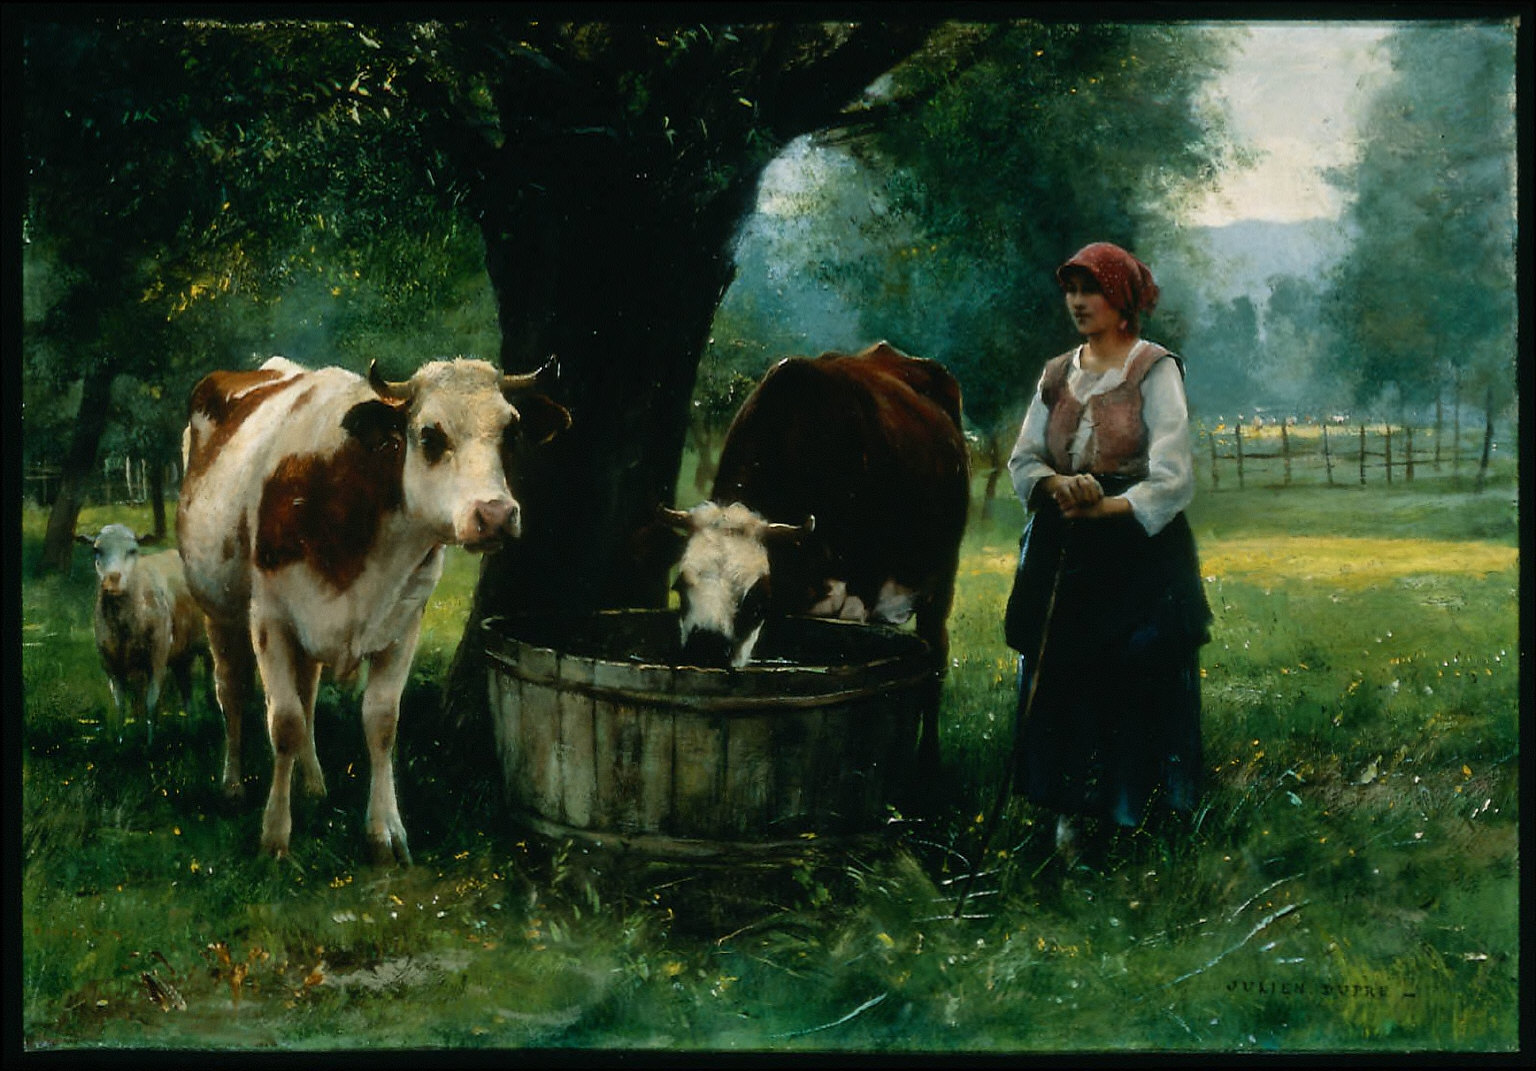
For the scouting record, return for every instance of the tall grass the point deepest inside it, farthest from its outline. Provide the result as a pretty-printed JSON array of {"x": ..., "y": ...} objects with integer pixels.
[{"x": 1349, "y": 883}]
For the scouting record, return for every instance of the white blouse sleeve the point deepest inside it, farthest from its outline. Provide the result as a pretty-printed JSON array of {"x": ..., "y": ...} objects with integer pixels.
[
  {"x": 1028, "y": 464},
  {"x": 1170, "y": 484}
]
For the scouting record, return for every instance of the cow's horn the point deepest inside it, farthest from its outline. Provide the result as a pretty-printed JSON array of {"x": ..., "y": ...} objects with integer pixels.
[
  {"x": 400, "y": 392},
  {"x": 523, "y": 381},
  {"x": 792, "y": 531},
  {"x": 677, "y": 518}
]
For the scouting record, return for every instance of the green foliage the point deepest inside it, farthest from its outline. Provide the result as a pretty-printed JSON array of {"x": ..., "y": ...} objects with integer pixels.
[
  {"x": 1349, "y": 884},
  {"x": 261, "y": 192}
]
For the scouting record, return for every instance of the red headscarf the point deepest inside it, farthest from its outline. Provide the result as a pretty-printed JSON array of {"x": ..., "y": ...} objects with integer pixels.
[{"x": 1126, "y": 282}]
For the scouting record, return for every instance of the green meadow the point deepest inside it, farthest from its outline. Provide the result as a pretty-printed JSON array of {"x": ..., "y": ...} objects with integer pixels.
[{"x": 1349, "y": 884}]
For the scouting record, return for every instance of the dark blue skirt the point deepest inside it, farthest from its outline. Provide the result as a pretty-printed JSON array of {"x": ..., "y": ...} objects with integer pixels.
[{"x": 1114, "y": 730}]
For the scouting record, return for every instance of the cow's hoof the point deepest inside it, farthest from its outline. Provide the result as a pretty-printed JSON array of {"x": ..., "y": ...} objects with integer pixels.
[
  {"x": 389, "y": 851},
  {"x": 1068, "y": 840},
  {"x": 315, "y": 787},
  {"x": 234, "y": 790},
  {"x": 277, "y": 849}
]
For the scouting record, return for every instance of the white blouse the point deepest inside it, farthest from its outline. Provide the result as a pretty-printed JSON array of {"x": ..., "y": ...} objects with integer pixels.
[{"x": 1170, "y": 483}]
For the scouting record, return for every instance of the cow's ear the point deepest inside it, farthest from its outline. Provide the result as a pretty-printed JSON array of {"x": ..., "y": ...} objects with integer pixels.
[
  {"x": 375, "y": 424},
  {"x": 148, "y": 539},
  {"x": 88, "y": 540},
  {"x": 540, "y": 418},
  {"x": 655, "y": 546}
]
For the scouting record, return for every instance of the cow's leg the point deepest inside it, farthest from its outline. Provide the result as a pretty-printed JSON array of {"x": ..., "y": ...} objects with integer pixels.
[
  {"x": 309, "y": 760},
  {"x": 381, "y": 717},
  {"x": 119, "y": 702},
  {"x": 181, "y": 672},
  {"x": 288, "y": 676},
  {"x": 933, "y": 627},
  {"x": 136, "y": 691},
  {"x": 151, "y": 702},
  {"x": 233, "y": 664}
]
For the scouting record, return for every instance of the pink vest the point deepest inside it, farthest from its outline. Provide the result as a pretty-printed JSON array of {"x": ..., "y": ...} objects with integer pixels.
[{"x": 1120, "y": 435}]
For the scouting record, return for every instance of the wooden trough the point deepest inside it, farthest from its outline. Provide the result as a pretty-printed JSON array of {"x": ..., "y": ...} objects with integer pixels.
[{"x": 602, "y": 735}]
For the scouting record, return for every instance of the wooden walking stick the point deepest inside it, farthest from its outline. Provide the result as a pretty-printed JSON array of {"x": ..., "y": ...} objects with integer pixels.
[{"x": 990, "y": 828}]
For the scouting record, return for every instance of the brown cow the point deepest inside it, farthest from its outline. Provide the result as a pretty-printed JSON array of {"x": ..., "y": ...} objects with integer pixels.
[
  {"x": 314, "y": 512},
  {"x": 842, "y": 491}
]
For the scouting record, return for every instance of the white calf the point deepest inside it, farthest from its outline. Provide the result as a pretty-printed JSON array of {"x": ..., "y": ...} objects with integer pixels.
[{"x": 146, "y": 622}]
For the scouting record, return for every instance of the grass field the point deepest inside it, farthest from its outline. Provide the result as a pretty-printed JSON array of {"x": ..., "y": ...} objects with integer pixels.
[{"x": 1349, "y": 884}]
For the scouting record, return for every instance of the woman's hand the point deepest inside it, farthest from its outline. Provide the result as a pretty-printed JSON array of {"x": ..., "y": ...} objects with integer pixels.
[
  {"x": 1074, "y": 492},
  {"x": 1081, "y": 497},
  {"x": 1113, "y": 506}
]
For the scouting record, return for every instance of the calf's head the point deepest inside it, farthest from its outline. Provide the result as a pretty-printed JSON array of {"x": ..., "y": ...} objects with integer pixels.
[
  {"x": 117, "y": 552},
  {"x": 459, "y": 423},
  {"x": 723, "y": 584}
]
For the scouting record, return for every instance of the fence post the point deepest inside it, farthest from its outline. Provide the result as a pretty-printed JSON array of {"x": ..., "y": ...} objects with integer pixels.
[
  {"x": 1408, "y": 455},
  {"x": 1327, "y": 457},
  {"x": 1387, "y": 428},
  {"x": 1214, "y": 480},
  {"x": 1285, "y": 451},
  {"x": 1362, "y": 455},
  {"x": 1238, "y": 428}
]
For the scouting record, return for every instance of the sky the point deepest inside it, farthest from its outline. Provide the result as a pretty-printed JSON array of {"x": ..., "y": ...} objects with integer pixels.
[{"x": 1294, "y": 92}]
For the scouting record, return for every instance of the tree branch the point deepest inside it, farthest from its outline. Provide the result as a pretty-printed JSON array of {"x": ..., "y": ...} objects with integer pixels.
[
  {"x": 863, "y": 118},
  {"x": 812, "y": 95}
]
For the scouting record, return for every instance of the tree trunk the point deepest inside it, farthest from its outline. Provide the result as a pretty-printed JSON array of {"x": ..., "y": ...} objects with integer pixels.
[
  {"x": 704, "y": 471},
  {"x": 1482, "y": 467},
  {"x": 628, "y": 328},
  {"x": 1456, "y": 430},
  {"x": 995, "y": 466},
  {"x": 1439, "y": 424},
  {"x": 79, "y": 464},
  {"x": 156, "y": 492}
]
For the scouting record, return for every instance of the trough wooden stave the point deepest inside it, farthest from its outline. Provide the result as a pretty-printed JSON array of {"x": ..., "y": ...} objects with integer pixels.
[{"x": 635, "y": 747}]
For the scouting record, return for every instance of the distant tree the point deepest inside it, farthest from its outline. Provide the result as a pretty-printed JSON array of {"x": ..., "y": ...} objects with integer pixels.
[
  {"x": 1231, "y": 372},
  {"x": 1425, "y": 296},
  {"x": 1297, "y": 342}
]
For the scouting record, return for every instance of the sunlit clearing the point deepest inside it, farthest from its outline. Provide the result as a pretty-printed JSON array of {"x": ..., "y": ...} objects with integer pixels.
[{"x": 1351, "y": 561}]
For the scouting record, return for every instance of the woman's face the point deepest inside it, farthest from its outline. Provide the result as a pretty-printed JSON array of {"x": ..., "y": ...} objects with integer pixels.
[{"x": 1086, "y": 304}]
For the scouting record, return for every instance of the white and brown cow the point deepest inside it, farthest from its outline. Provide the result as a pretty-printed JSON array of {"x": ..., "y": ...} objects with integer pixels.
[
  {"x": 842, "y": 491},
  {"x": 313, "y": 516},
  {"x": 146, "y": 622}
]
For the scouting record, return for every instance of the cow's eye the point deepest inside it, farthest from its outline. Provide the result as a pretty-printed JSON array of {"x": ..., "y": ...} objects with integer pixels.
[{"x": 434, "y": 444}]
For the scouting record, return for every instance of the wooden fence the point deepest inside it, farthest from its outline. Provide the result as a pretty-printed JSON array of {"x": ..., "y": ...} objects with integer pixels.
[
  {"x": 1282, "y": 454},
  {"x": 121, "y": 480}
]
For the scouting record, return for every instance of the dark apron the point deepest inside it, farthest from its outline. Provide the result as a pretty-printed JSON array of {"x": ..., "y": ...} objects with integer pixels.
[{"x": 1116, "y": 717}]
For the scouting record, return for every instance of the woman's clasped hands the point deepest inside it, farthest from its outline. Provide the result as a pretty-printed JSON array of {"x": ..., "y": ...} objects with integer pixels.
[{"x": 1080, "y": 497}]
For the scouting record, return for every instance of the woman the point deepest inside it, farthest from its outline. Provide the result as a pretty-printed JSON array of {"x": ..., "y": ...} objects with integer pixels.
[{"x": 1107, "y": 610}]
